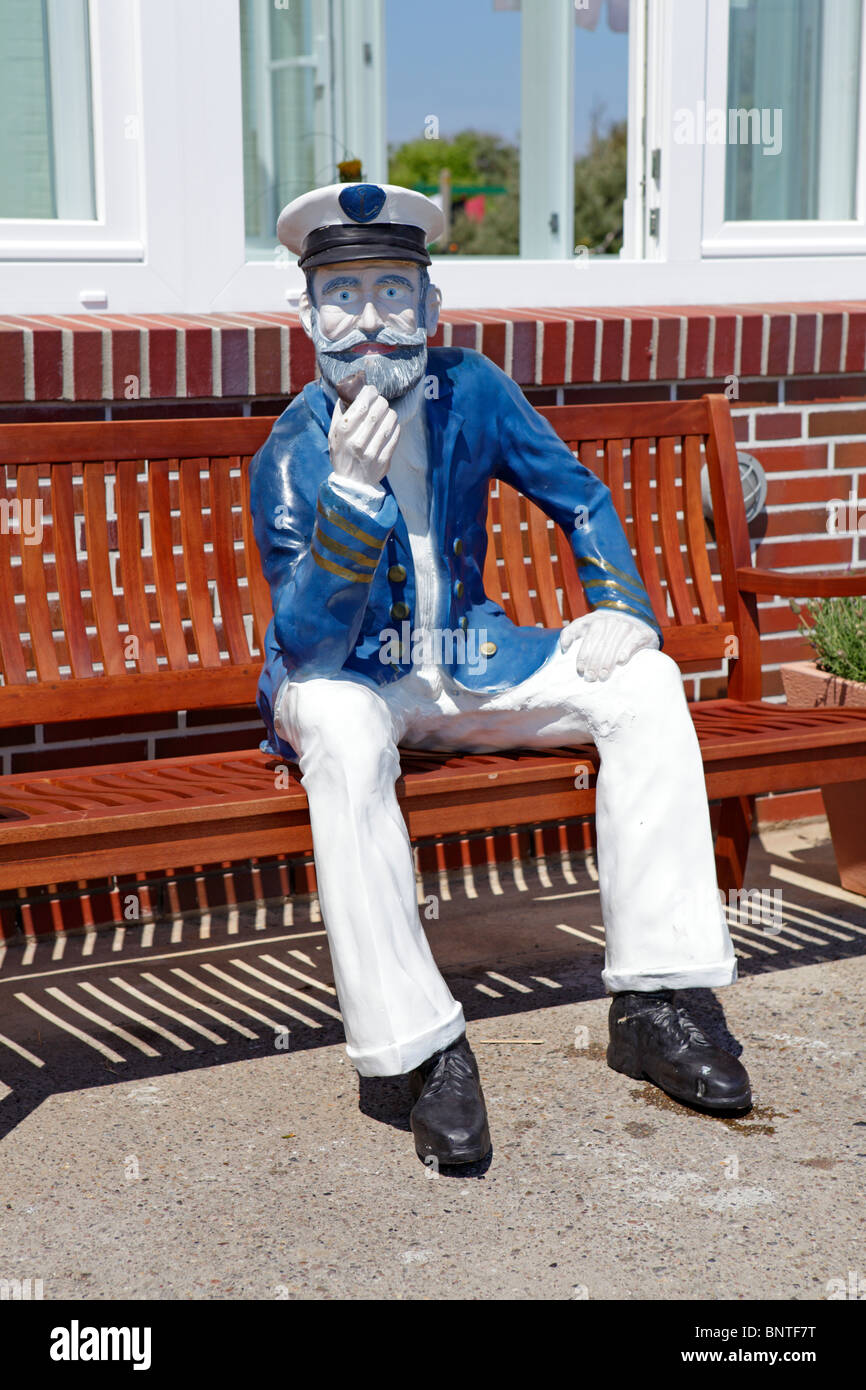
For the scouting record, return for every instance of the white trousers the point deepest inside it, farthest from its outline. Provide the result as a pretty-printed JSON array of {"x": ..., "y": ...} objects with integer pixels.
[{"x": 663, "y": 918}]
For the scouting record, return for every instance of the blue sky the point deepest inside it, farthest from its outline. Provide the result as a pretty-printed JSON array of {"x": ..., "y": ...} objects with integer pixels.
[{"x": 460, "y": 60}]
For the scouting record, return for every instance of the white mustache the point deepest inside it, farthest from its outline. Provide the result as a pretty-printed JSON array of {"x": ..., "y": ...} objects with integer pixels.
[{"x": 390, "y": 337}]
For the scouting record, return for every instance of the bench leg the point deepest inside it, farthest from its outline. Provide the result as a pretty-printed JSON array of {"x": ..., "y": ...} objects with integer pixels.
[{"x": 732, "y": 841}]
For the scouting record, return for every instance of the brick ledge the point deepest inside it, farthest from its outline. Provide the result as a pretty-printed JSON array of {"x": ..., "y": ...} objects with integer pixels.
[{"x": 111, "y": 357}]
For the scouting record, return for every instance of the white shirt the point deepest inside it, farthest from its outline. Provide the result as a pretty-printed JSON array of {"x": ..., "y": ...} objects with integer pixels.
[{"x": 408, "y": 476}]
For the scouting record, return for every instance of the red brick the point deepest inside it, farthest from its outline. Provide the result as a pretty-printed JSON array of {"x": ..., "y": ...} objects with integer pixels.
[
  {"x": 751, "y": 343},
  {"x": 855, "y": 353},
  {"x": 209, "y": 717},
  {"x": 11, "y": 364},
  {"x": 831, "y": 342},
  {"x": 761, "y": 392},
  {"x": 162, "y": 361},
  {"x": 613, "y": 330},
  {"x": 778, "y": 425},
  {"x": 587, "y": 395},
  {"x": 640, "y": 348},
  {"x": 668, "y": 353},
  {"x": 724, "y": 345},
  {"x": 87, "y": 364},
  {"x": 493, "y": 343},
  {"x": 780, "y": 337},
  {"x": 797, "y": 523},
  {"x": 852, "y": 454},
  {"x": 826, "y": 551},
  {"x": 55, "y": 759},
  {"x": 463, "y": 333},
  {"x": 198, "y": 348},
  {"x": 48, "y": 363},
  {"x": 125, "y": 348},
  {"x": 77, "y": 729},
  {"x": 804, "y": 349},
  {"x": 190, "y": 744},
  {"x": 779, "y": 618},
  {"x": 267, "y": 359},
  {"x": 830, "y": 422},
  {"x": 553, "y": 365},
  {"x": 741, "y": 429},
  {"x": 234, "y": 361},
  {"x": 788, "y": 491},
  {"x": 697, "y": 345},
  {"x": 523, "y": 345},
  {"x": 778, "y": 649},
  {"x": 786, "y": 459},
  {"x": 583, "y": 349},
  {"x": 833, "y": 388}
]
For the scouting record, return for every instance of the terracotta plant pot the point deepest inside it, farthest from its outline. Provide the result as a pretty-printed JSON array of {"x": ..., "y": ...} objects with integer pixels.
[{"x": 845, "y": 802}]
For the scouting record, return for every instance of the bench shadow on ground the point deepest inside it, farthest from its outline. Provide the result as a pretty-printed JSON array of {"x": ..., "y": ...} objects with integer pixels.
[{"x": 509, "y": 944}]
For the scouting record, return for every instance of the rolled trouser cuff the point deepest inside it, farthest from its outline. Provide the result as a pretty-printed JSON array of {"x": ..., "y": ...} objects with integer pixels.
[
  {"x": 393, "y": 1059},
  {"x": 701, "y": 977}
]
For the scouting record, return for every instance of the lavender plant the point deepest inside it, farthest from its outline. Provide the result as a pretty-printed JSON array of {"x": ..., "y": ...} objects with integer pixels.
[{"x": 836, "y": 628}]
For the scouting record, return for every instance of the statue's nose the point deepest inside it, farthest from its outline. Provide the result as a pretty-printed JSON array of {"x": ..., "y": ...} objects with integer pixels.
[{"x": 370, "y": 321}]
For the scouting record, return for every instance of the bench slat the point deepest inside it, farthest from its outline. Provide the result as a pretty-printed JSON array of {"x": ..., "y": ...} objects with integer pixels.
[
  {"x": 99, "y": 567},
  {"x": 195, "y": 564},
  {"x": 130, "y": 568},
  {"x": 34, "y": 576}
]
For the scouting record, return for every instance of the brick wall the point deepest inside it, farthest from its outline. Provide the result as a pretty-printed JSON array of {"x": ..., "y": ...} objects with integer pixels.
[{"x": 796, "y": 376}]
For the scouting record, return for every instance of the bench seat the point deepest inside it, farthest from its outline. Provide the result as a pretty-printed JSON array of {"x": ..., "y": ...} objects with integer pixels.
[{"x": 222, "y": 807}]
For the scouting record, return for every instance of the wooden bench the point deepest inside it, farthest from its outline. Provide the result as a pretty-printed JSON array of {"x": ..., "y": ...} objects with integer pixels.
[{"x": 144, "y": 594}]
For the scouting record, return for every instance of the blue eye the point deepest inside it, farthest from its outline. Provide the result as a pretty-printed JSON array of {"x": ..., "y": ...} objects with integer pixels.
[
  {"x": 344, "y": 295},
  {"x": 391, "y": 292}
]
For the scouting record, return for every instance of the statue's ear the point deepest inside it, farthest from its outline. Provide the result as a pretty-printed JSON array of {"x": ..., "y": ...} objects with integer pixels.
[
  {"x": 432, "y": 306},
  {"x": 305, "y": 313}
]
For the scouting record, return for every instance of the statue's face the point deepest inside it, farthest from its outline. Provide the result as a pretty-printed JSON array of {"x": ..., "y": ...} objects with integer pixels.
[{"x": 373, "y": 317}]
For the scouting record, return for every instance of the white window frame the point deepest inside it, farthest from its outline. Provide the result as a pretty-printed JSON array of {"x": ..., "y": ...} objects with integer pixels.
[
  {"x": 816, "y": 237},
  {"x": 176, "y": 66},
  {"x": 115, "y": 233}
]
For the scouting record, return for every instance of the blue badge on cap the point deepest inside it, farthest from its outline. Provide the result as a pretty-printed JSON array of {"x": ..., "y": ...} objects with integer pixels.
[{"x": 362, "y": 201}]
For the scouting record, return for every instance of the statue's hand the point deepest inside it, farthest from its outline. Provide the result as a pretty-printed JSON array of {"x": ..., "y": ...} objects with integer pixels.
[
  {"x": 606, "y": 639},
  {"x": 362, "y": 437}
]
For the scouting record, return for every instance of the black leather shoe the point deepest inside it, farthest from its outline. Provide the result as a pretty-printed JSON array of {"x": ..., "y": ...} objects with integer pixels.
[
  {"x": 449, "y": 1117},
  {"x": 652, "y": 1038}
]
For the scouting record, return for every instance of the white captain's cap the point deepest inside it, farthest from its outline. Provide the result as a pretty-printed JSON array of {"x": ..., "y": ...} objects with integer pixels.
[{"x": 360, "y": 222}]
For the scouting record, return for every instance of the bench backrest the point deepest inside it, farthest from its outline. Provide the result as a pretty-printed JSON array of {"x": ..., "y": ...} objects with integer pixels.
[{"x": 130, "y": 579}]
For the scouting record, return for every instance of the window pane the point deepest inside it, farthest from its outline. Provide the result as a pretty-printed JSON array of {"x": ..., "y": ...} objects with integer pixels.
[
  {"x": 453, "y": 112},
  {"x": 793, "y": 94},
  {"x": 600, "y": 125},
  {"x": 279, "y": 112},
  {"x": 46, "y": 136}
]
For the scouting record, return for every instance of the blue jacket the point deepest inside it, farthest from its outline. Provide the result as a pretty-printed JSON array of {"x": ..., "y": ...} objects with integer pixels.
[{"x": 339, "y": 577}]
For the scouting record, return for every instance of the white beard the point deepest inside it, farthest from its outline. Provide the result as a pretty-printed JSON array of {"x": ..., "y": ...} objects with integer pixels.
[{"x": 392, "y": 375}]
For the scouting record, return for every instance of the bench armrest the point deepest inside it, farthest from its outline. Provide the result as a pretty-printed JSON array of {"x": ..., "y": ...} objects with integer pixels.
[{"x": 751, "y": 580}]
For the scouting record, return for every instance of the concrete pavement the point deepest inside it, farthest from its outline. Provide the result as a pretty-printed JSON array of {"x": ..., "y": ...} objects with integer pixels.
[{"x": 179, "y": 1119}]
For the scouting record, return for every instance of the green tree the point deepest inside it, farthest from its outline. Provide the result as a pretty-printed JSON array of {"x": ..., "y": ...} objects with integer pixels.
[
  {"x": 473, "y": 157},
  {"x": 599, "y": 191}
]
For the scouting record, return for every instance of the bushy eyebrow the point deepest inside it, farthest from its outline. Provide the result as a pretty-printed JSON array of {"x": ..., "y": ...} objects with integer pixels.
[
  {"x": 338, "y": 281},
  {"x": 352, "y": 281}
]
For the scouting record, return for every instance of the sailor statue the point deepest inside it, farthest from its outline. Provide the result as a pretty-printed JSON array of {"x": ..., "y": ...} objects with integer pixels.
[{"x": 369, "y": 502}]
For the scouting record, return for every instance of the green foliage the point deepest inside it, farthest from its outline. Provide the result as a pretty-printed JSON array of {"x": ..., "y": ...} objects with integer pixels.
[
  {"x": 837, "y": 631},
  {"x": 599, "y": 192},
  {"x": 478, "y": 157},
  {"x": 472, "y": 156}
]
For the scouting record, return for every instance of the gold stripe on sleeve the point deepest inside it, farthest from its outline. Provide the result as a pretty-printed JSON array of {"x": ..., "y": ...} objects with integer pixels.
[
  {"x": 338, "y": 570},
  {"x": 344, "y": 550},
  {"x": 330, "y": 515},
  {"x": 610, "y": 569}
]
